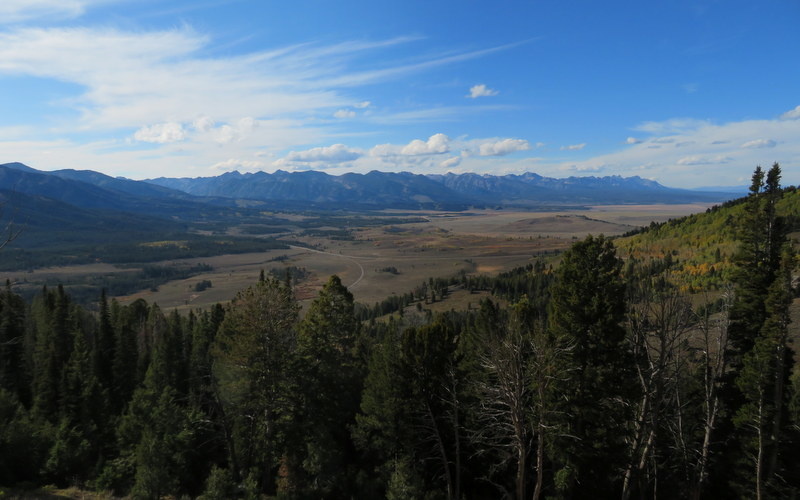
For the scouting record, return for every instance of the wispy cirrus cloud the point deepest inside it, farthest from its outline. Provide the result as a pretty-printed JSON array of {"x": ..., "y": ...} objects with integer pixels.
[
  {"x": 14, "y": 11},
  {"x": 134, "y": 80},
  {"x": 759, "y": 144}
]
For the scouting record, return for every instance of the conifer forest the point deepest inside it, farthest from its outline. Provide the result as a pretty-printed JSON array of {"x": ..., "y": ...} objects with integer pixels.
[{"x": 601, "y": 375}]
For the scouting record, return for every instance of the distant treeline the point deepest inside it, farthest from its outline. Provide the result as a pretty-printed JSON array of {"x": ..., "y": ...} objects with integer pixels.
[{"x": 171, "y": 247}]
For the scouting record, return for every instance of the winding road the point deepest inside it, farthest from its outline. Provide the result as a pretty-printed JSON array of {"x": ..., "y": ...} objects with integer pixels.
[{"x": 349, "y": 257}]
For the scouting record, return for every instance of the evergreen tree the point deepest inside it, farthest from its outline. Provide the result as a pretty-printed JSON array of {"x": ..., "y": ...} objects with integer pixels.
[
  {"x": 14, "y": 375},
  {"x": 104, "y": 348},
  {"x": 126, "y": 321},
  {"x": 764, "y": 382},
  {"x": 329, "y": 375},
  {"x": 83, "y": 414},
  {"x": 252, "y": 358},
  {"x": 588, "y": 309},
  {"x": 762, "y": 234}
]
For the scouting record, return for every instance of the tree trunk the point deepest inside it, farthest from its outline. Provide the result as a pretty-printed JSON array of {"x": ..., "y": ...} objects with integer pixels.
[
  {"x": 442, "y": 452},
  {"x": 537, "y": 492}
]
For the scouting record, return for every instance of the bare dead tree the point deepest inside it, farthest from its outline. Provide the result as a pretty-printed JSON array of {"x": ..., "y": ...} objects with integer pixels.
[
  {"x": 659, "y": 324},
  {"x": 525, "y": 364},
  {"x": 714, "y": 362}
]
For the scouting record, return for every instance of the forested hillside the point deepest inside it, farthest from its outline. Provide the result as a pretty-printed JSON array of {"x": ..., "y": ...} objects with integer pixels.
[
  {"x": 599, "y": 379},
  {"x": 701, "y": 248}
]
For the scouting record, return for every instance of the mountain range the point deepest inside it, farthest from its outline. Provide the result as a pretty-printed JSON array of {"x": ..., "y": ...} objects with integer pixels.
[
  {"x": 190, "y": 198},
  {"x": 406, "y": 190}
]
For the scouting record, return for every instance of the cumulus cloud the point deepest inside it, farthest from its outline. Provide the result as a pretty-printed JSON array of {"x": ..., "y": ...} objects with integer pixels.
[
  {"x": 362, "y": 104},
  {"x": 573, "y": 147},
  {"x": 632, "y": 140},
  {"x": 481, "y": 90},
  {"x": 344, "y": 113},
  {"x": 238, "y": 131},
  {"x": 436, "y": 144},
  {"x": 792, "y": 114},
  {"x": 759, "y": 144},
  {"x": 203, "y": 123},
  {"x": 503, "y": 147},
  {"x": 337, "y": 153},
  {"x": 161, "y": 133}
]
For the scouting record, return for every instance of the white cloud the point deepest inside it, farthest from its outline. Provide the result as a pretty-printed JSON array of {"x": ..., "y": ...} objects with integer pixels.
[
  {"x": 481, "y": 90},
  {"x": 503, "y": 147},
  {"x": 759, "y": 144},
  {"x": 12, "y": 11},
  {"x": 673, "y": 126},
  {"x": 632, "y": 140},
  {"x": 581, "y": 168},
  {"x": 453, "y": 161},
  {"x": 383, "y": 150},
  {"x": 792, "y": 114},
  {"x": 344, "y": 113},
  {"x": 717, "y": 148},
  {"x": 130, "y": 78},
  {"x": 337, "y": 153},
  {"x": 161, "y": 133},
  {"x": 573, "y": 147},
  {"x": 436, "y": 144},
  {"x": 203, "y": 123},
  {"x": 241, "y": 165},
  {"x": 701, "y": 160},
  {"x": 237, "y": 132}
]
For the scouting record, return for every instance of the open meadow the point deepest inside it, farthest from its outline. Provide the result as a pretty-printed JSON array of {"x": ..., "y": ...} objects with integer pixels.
[{"x": 376, "y": 261}]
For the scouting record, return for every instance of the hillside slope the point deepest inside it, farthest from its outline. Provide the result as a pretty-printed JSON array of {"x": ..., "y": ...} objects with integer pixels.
[{"x": 699, "y": 247}]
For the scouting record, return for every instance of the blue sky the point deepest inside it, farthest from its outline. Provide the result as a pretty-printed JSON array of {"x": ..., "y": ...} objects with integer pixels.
[{"x": 688, "y": 93}]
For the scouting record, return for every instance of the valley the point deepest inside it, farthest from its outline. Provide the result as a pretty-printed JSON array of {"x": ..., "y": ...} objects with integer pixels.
[{"x": 376, "y": 255}]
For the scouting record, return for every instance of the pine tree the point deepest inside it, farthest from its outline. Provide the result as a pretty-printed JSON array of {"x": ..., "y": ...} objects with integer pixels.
[
  {"x": 104, "y": 348},
  {"x": 330, "y": 375},
  {"x": 125, "y": 321},
  {"x": 764, "y": 382},
  {"x": 82, "y": 416},
  {"x": 588, "y": 309},
  {"x": 14, "y": 375},
  {"x": 253, "y": 352}
]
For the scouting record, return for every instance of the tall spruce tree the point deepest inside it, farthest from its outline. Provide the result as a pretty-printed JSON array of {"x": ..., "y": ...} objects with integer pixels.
[
  {"x": 588, "y": 308},
  {"x": 329, "y": 375},
  {"x": 758, "y": 385},
  {"x": 253, "y": 354}
]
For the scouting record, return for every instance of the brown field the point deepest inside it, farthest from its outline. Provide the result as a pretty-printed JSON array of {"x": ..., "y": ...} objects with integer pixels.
[{"x": 481, "y": 241}]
